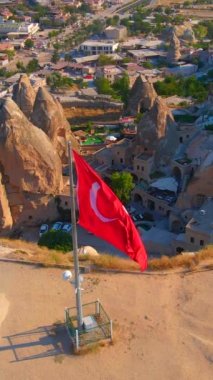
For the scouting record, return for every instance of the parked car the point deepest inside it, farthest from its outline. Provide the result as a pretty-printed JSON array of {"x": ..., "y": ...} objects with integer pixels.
[
  {"x": 43, "y": 229},
  {"x": 130, "y": 209},
  {"x": 67, "y": 227},
  {"x": 57, "y": 226},
  {"x": 139, "y": 217}
]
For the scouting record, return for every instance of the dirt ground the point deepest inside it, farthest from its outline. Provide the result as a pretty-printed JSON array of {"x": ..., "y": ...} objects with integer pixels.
[{"x": 162, "y": 326}]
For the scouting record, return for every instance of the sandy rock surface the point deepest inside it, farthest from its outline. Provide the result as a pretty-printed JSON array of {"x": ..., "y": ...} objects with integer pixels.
[{"x": 162, "y": 326}]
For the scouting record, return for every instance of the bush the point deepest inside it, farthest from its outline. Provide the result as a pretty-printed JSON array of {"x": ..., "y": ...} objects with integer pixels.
[
  {"x": 58, "y": 240},
  {"x": 185, "y": 87}
]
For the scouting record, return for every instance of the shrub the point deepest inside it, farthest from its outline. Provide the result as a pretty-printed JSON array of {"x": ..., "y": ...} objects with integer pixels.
[{"x": 58, "y": 240}]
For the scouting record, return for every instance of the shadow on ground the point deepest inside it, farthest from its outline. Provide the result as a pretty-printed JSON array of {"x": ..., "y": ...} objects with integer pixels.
[{"x": 39, "y": 343}]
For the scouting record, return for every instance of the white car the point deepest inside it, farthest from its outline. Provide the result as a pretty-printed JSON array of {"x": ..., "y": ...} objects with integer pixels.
[
  {"x": 67, "y": 227},
  {"x": 43, "y": 229},
  {"x": 57, "y": 226}
]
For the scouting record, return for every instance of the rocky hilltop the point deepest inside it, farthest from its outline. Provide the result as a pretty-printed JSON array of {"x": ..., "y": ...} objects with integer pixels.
[
  {"x": 142, "y": 96},
  {"x": 157, "y": 132},
  {"x": 24, "y": 95},
  {"x": 30, "y": 166}
]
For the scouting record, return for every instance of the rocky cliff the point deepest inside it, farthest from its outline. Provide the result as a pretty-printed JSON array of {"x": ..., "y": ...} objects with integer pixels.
[
  {"x": 48, "y": 115},
  {"x": 157, "y": 133},
  {"x": 30, "y": 166},
  {"x": 24, "y": 95},
  {"x": 81, "y": 109},
  {"x": 142, "y": 96}
]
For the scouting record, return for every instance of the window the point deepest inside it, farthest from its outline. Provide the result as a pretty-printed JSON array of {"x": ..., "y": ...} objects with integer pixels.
[
  {"x": 121, "y": 160},
  {"x": 201, "y": 243},
  {"x": 30, "y": 217},
  {"x": 66, "y": 203},
  {"x": 138, "y": 167},
  {"x": 192, "y": 240},
  {"x": 181, "y": 139}
]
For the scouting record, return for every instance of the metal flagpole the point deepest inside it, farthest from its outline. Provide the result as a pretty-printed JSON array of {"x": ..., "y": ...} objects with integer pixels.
[{"x": 75, "y": 241}]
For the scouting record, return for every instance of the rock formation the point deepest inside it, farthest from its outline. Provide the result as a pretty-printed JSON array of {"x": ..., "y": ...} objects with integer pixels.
[
  {"x": 6, "y": 220},
  {"x": 142, "y": 96},
  {"x": 48, "y": 115},
  {"x": 30, "y": 166},
  {"x": 173, "y": 54},
  {"x": 157, "y": 133},
  {"x": 202, "y": 182},
  {"x": 189, "y": 35},
  {"x": 24, "y": 95}
]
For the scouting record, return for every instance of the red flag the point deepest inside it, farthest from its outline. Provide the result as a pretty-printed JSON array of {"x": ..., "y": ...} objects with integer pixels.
[{"x": 102, "y": 213}]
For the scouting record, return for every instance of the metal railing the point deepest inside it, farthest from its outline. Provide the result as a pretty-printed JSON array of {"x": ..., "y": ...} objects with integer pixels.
[{"x": 101, "y": 328}]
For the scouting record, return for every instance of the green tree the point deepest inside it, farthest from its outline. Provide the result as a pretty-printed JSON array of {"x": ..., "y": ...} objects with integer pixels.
[
  {"x": 57, "y": 45},
  {"x": 113, "y": 21},
  {"x": 56, "y": 80},
  {"x": 29, "y": 44},
  {"x": 200, "y": 31},
  {"x": 32, "y": 66},
  {"x": 190, "y": 86},
  {"x": 10, "y": 54},
  {"x": 121, "y": 88},
  {"x": 20, "y": 66},
  {"x": 122, "y": 185},
  {"x": 55, "y": 57},
  {"x": 103, "y": 86},
  {"x": 104, "y": 59},
  {"x": 148, "y": 65},
  {"x": 58, "y": 240}
]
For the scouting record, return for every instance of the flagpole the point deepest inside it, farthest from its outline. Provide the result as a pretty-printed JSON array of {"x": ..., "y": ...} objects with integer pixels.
[{"x": 75, "y": 241}]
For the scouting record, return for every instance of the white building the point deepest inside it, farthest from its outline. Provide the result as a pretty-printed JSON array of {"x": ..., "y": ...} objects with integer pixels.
[
  {"x": 12, "y": 28},
  {"x": 92, "y": 47}
]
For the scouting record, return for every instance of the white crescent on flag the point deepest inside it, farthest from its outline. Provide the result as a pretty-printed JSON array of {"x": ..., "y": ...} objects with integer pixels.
[{"x": 93, "y": 202}]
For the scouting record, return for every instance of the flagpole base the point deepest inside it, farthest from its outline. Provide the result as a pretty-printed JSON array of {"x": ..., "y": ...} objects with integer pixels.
[{"x": 97, "y": 326}]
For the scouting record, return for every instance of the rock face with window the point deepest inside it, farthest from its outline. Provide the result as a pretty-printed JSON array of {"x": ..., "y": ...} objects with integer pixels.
[
  {"x": 142, "y": 165},
  {"x": 31, "y": 170},
  {"x": 201, "y": 185}
]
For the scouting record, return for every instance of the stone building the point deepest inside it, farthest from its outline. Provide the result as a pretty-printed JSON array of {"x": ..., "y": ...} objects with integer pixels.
[{"x": 117, "y": 33}]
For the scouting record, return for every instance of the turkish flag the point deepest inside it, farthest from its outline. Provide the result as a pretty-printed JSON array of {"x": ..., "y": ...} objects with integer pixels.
[{"x": 102, "y": 213}]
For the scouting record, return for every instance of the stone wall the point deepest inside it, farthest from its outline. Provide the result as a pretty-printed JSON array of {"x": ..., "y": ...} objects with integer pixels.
[{"x": 84, "y": 109}]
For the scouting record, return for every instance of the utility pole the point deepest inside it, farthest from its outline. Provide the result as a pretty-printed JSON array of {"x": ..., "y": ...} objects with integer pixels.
[{"x": 75, "y": 241}]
